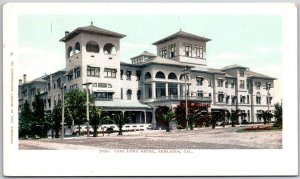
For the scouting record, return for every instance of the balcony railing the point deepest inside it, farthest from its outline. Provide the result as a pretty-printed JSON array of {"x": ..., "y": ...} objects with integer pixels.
[{"x": 178, "y": 98}]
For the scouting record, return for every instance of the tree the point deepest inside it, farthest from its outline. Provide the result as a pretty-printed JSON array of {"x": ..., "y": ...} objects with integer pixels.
[
  {"x": 119, "y": 119},
  {"x": 56, "y": 116},
  {"x": 278, "y": 115},
  {"x": 97, "y": 117},
  {"x": 233, "y": 116},
  {"x": 194, "y": 111},
  {"x": 25, "y": 120},
  {"x": 266, "y": 115},
  {"x": 40, "y": 126},
  {"x": 75, "y": 106},
  {"x": 168, "y": 117},
  {"x": 160, "y": 110}
]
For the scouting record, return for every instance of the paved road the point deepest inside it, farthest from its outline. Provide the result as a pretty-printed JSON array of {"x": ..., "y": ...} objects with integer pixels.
[{"x": 206, "y": 138}]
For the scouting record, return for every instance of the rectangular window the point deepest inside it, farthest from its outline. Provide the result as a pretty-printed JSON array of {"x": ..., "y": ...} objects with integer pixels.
[
  {"x": 138, "y": 74},
  {"x": 77, "y": 72},
  {"x": 243, "y": 99},
  {"x": 121, "y": 93},
  {"x": 269, "y": 101},
  {"x": 199, "y": 80},
  {"x": 220, "y": 82},
  {"x": 257, "y": 84},
  {"x": 172, "y": 50},
  {"x": 242, "y": 84},
  {"x": 187, "y": 50},
  {"x": 220, "y": 98},
  {"x": 232, "y": 83},
  {"x": 121, "y": 75},
  {"x": 198, "y": 51},
  {"x": 128, "y": 75},
  {"x": 226, "y": 83},
  {"x": 248, "y": 99},
  {"x": 93, "y": 71},
  {"x": 163, "y": 52},
  {"x": 258, "y": 99},
  {"x": 58, "y": 83},
  {"x": 209, "y": 83},
  {"x": 242, "y": 73},
  {"x": 110, "y": 73},
  {"x": 248, "y": 84}
]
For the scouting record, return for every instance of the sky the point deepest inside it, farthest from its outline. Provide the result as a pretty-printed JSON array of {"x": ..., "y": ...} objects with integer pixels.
[{"x": 249, "y": 40}]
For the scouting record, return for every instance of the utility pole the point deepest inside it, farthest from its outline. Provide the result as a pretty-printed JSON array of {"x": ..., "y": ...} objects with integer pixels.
[
  {"x": 268, "y": 87},
  {"x": 63, "y": 111},
  {"x": 87, "y": 108},
  {"x": 185, "y": 89}
]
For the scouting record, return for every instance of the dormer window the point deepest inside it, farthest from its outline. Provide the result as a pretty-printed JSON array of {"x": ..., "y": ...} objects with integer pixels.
[
  {"x": 242, "y": 73},
  {"x": 163, "y": 52},
  {"x": 172, "y": 50},
  {"x": 187, "y": 50},
  {"x": 198, "y": 51}
]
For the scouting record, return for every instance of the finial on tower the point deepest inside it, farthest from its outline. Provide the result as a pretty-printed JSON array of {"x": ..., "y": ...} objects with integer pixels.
[{"x": 92, "y": 22}]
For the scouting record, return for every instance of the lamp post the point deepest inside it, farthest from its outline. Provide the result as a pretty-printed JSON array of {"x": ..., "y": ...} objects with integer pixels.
[
  {"x": 185, "y": 89},
  {"x": 268, "y": 87},
  {"x": 63, "y": 111},
  {"x": 87, "y": 107}
]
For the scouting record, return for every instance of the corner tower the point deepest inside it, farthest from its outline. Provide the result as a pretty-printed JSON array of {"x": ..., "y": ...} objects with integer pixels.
[
  {"x": 92, "y": 55},
  {"x": 183, "y": 47}
]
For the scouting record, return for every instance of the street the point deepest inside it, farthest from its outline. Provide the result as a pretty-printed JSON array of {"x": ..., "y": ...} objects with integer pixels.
[{"x": 203, "y": 138}]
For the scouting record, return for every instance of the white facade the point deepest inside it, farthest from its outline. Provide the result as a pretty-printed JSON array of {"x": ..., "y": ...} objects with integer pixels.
[{"x": 93, "y": 56}]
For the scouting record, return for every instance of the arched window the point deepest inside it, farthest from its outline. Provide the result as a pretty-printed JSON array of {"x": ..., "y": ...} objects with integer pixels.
[
  {"x": 147, "y": 75},
  {"x": 172, "y": 76},
  {"x": 77, "y": 47},
  {"x": 160, "y": 75},
  {"x": 183, "y": 76},
  {"x": 70, "y": 52},
  {"x": 92, "y": 46},
  {"x": 109, "y": 49}
]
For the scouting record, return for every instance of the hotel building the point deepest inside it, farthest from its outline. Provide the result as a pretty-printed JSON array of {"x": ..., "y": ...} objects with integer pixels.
[{"x": 150, "y": 80}]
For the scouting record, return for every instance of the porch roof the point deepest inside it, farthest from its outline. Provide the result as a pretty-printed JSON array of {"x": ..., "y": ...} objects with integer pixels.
[{"x": 122, "y": 104}]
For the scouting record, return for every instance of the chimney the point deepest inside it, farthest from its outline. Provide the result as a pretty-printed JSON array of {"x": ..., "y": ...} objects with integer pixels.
[
  {"x": 20, "y": 81},
  {"x": 67, "y": 33},
  {"x": 24, "y": 78}
]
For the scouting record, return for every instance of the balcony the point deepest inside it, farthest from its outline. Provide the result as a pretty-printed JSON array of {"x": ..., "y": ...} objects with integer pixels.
[{"x": 178, "y": 98}]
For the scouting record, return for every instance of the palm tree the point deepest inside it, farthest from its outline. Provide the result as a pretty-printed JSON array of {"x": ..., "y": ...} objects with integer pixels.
[
  {"x": 97, "y": 117},
  {"x": 119, "y": 119},
  {"x": 233, "y": 116},
  {"x": 168, "y": 117},
  {"x": 266, "y": 115}
]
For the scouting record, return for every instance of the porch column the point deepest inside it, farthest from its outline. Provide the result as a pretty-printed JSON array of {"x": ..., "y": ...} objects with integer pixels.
[
  {"x": 143, "y": 93},
  {"x": 167, "y": 89},
  {"x": 153, "y": 90},
  {"x": 145, "y": 116},
  {"x": 153, "y": 118},
  {"x": 140, "y": 118}
]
